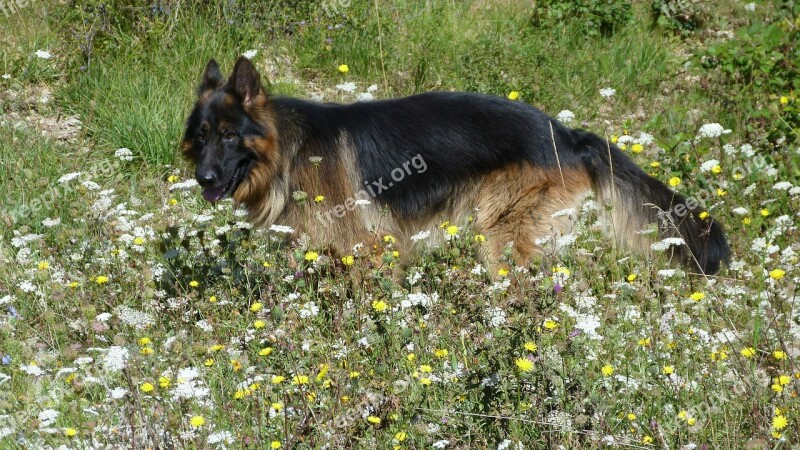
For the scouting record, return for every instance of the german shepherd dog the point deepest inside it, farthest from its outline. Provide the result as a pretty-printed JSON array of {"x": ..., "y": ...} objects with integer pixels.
[{"x": 402, "y": 166}]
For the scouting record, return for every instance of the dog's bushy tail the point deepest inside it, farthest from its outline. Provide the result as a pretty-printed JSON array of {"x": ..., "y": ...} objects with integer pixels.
[{"x": 639, "y": 200}]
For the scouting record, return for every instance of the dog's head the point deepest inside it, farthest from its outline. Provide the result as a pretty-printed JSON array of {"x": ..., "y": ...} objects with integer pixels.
[{"x": 230, "y": 134}]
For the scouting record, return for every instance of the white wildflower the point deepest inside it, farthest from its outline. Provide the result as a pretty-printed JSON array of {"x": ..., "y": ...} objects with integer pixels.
[
  {"x": 124, "y": 154},
  {"x": 712, "y": 130},
  {"x": 281, "y": 229},
  {"x": 782, "y": 186},
  {"x": 69, "y": 177},
  {"x": 134, "y": 318},
  {"x": 347, "y": 87},
  {"x": 116, "y": 358},
  {"x": 43, "y": 54},
  {"x": 608, "y": 92},
  {"x": 496, "y": 316},
  {"x": 566, "y": 116},
  {"x": 250, "y": 54},
  {"x": 50, "y": 223},
  {"x": 422, "y": 235},
  {"x": 48, "y": 417},
  {"x": 708, "y": 165},
  {"x": 183, "y": 185},
  {"x": 666, "y": 243},
  {"x": 364, "y": 97}
]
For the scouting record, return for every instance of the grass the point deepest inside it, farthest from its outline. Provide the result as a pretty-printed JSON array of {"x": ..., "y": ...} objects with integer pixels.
[{"x": 134, "y": 315}]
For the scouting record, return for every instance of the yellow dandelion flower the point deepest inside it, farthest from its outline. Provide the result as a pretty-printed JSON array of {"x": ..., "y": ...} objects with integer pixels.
[
  {"x": 783, "y": 380},
  {"x": 716, "y": 170},
  {"x": 216, "y": 348},
  {"x": 410, "y": 357},
  {"x": 480, "y": 238},
  {"x": 236, "y": 365},
  {"x": 319, "y": 199},
  {"x": 275, "y": 445},
  {"x": 400, "y": 436},
  {"x": 614, "y": 139},
  {"x": 164, "y": 382},
  {"x": 74, "y": 284},
  {"x": 502, "y": 272},
  {"x": 146, "y": 351},
  {"x": 764, "y": 212},
  {"x": 779, "y": 422},
  {"x": 524, "y": 364},
  {"x": 631, "y": 416},
  {"x": 777, "y": 274},
  {"x": 655, "y": 164},
  {"x": 374, "y": 420},
  {"x": 644, "y": 342},
  {"x": 144, "y": 341},
  {"x": 441, "y": 353},
  {"x": 697, "y": 296},
  {"x": 147, "y": 387},
  {"x": 258, "y": 324},
  {"x": 348, "y": 260},
  {"x": 647, "y": 440},
  {"x": 452, "y": 230},
  {"x": 747, "y": 221},
  {"x": 70, "y": 432},
  {"x": 343, "y": 68},
  {"x": 668, "y": 370},
  {"x": 389, "y": 239},
  {"x": 631, "y": 277},
  {"x": 173, "y": 201},
  {"x": 256, "y": 307},
  {"x": 531, "y": 346},
  {"x": 425, "y": 381},
  {"x": 138, "y": 241},
  {"x": 311, "y": 256},
  {"x": 703, "y": 215},
  {"x": 425, "y": 368},
  {"x": 277, "y": 406},
  {"x": 748, "y": 352},
  {"x": 691, "y": 421},
  {"x": 266, "y": 351},
  {"x": 637, "y": 148},
  {"x": 194, "y": 283},
  {"x": 277, "y": 379},
  {"x": 197, "y": 421},
  {"x": 550, "y": 324},
  {"x": 102, "y": 279},
  {"x": 173, "y": 179},
  {"x": 513, "y": 95},
  {"x": 212, "y": 299},
  {"x": 779, "y": 354},
  {"x": 683, "y": 415},
  {"x": 300, "y": 379},
  {"x": 783, "y": 100},
  {"x": 208, "y": 362},
  {"x": 355, "y": 374},
  {"x": 674, "y": 181},
  {"x": 44, "y": 265},
  {"x": 721, "y": 192},
  {"x": 379, "y": 305},
  {"x": 607, "y": 370}
]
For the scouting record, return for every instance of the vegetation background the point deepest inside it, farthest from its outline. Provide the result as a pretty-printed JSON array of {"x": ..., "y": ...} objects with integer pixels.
[{"x": 134, "y": 315}]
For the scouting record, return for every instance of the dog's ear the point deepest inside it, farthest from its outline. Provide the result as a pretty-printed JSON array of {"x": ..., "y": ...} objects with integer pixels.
[
  {"x": 212, "y": 78},
  {"x": 246, "y": 82}
]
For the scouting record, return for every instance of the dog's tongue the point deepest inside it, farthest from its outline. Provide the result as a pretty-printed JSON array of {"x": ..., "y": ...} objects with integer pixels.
[{"x": 213, "y": 194}]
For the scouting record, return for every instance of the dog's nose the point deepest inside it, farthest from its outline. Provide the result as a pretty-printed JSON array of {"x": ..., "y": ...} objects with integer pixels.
[{"x": 207, "y": 178}]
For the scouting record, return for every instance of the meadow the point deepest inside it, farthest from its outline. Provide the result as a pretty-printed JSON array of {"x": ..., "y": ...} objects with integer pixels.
[{"x": 135, "y": 315}]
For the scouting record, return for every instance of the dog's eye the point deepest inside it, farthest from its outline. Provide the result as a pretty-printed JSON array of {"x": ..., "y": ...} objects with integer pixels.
[
  {"x": 200, "y": 136},
  {"x": 229, "y": 135}
]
